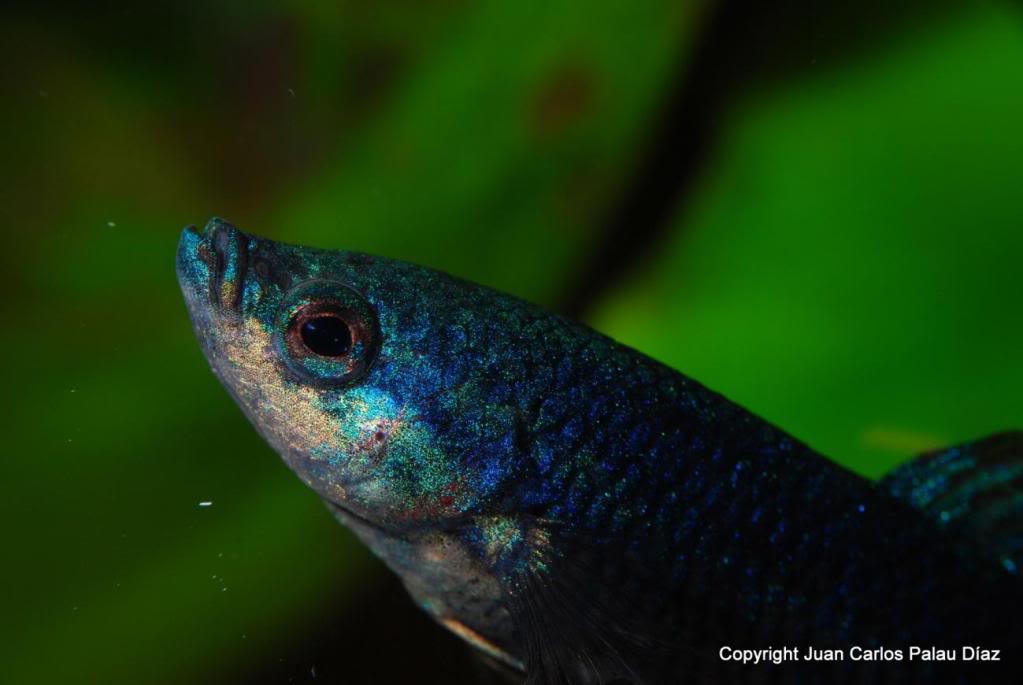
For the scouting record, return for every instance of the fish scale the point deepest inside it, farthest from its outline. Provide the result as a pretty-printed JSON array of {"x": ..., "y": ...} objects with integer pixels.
[{"x": 581, "y": 512}]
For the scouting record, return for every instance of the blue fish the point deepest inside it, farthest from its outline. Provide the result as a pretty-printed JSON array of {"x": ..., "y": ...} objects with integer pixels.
[{"x": 581, "y": 513}]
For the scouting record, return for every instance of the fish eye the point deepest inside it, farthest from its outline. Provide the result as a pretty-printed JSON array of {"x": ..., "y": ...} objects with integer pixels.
[{"x": 327, "y": 333}]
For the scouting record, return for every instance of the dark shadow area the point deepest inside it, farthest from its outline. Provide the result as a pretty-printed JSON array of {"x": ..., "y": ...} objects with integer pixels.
[{"x": 375, "y": 634}]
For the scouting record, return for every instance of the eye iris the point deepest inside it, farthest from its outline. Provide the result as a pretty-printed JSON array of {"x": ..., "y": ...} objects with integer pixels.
[{"x": 327, "y": 336}]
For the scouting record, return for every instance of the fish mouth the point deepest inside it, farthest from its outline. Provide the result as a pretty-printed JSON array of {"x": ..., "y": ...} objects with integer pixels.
[{"x": 211, "y": 265}]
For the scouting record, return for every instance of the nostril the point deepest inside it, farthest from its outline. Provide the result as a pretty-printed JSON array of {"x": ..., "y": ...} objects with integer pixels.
[
  {"x": 207, "y": 256},
  {"x": 221, "y": 247}
]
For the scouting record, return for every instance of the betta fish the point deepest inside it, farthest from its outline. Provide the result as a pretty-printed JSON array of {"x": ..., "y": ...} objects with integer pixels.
[{"x": 581, "y": 513}]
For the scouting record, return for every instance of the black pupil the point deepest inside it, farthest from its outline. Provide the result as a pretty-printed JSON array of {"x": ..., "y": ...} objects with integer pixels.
[{"x": 327, "y": 336}]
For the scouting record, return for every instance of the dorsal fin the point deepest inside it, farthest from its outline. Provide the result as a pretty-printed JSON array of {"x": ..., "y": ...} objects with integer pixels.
[{"x": 975, "y": 487}]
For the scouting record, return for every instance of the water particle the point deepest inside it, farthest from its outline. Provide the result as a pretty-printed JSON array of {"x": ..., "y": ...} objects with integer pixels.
[
  {"x": 206, "y": 503},
  {"x": 111, "y": 224}
]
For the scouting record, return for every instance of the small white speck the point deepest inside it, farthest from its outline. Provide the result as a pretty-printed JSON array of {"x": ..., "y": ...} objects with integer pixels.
[
  {"x": 312, "y": 671},
  {"x": 72, "y": 389},
  {"x": 74, "y": 608},
  {"x": 206, "y": 503},
  {"x": 223, "y": 589},
  {"x": 111, "y": 224}
]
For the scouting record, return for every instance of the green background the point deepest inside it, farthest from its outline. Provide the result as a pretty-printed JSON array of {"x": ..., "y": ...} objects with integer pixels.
[{"x": 844, "y": 257}]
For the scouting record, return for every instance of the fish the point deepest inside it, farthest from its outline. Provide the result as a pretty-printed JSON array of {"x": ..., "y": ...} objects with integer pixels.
[{"x": 579, "y": 512}]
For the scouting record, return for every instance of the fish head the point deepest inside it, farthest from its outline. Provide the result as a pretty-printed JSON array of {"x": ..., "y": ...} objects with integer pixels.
[
  {"x": 460, "y": 432},
  {"x": 358, "y": 371}
]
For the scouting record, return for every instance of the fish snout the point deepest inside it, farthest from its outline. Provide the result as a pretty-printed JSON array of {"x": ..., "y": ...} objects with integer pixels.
[{"x": 214, "y": 261}]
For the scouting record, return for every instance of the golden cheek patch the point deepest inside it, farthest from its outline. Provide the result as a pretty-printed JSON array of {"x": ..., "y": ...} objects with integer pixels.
[{"x": 299, "y": 423}]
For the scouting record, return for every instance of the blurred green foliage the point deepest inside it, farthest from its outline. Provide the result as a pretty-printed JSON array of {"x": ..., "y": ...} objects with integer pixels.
[
  {"x": 851, "y": 263},
  {"x": 847, "y": 264}
]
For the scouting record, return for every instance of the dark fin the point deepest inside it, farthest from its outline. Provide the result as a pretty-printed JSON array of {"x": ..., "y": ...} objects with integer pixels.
[
  {"x": 975, "y": 488},
  {"x": 577, "y": 623}
]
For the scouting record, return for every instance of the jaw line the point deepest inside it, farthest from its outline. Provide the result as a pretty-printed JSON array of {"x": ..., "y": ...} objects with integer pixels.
[
  {"x": 405, "y": 532},
  {"x": 356, "y": 521}
]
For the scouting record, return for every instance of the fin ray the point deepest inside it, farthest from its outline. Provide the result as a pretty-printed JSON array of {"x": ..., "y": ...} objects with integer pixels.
[
  {"x": 577, "y": 625},
  {"x": 975, "y": 488}
]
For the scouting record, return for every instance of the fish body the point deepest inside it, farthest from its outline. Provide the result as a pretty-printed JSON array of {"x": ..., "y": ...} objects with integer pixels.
[{"x": 581, "y": 512}]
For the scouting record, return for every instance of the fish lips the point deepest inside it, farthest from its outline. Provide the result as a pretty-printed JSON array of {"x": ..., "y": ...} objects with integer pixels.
[{"x": 211, "y": 266}]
